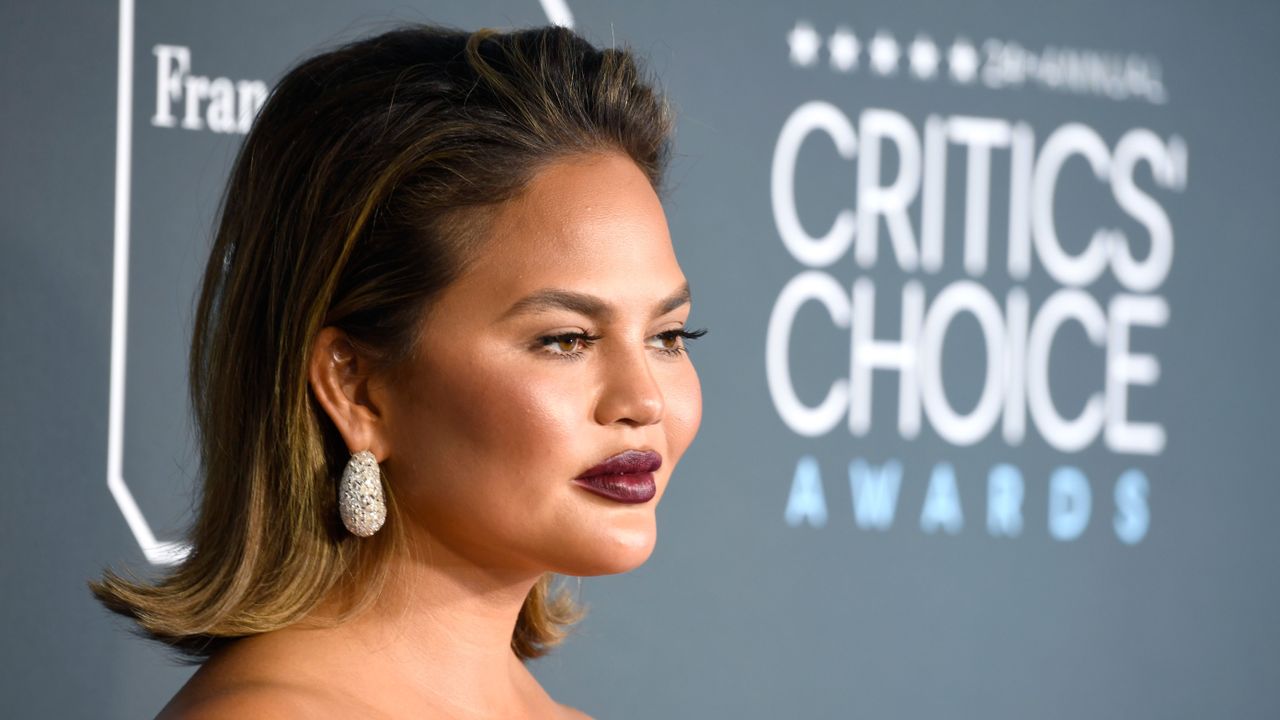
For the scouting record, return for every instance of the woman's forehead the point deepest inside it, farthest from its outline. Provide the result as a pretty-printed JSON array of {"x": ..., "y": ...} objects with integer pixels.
[
  {"x": 589, "y": 196},
  {"x": 594, "y": 217},
  {"x": 590, "y": 226}
]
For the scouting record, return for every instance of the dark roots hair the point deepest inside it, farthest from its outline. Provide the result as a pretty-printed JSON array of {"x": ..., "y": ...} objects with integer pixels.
[{"x": 363, "y": 187}]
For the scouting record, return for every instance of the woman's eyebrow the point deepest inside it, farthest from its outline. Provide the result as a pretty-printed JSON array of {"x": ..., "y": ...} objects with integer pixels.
[{"x": 588, "y": 305}]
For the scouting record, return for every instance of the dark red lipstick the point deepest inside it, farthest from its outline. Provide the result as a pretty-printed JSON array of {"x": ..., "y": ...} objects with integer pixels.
[{"x": 626, "y": 477}]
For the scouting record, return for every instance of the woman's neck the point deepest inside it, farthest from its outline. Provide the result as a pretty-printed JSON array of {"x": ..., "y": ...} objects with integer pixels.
[
  {"x": 444, "y": 629},
  {"x": 437, "y": 636}
]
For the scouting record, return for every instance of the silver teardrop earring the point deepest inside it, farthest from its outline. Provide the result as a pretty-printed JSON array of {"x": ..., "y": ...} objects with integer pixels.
[{"x": 360, "y": 500}]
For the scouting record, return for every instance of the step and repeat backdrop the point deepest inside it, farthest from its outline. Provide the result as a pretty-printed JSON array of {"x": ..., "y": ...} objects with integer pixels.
[{"x": 989, "y": 387}]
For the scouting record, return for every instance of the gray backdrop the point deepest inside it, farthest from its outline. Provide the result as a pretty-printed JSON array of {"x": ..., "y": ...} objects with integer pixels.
[{"x": 1065, "y": 510}]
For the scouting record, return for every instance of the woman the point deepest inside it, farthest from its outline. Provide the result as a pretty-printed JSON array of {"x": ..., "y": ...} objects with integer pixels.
[{"x": 439, "y": 354}]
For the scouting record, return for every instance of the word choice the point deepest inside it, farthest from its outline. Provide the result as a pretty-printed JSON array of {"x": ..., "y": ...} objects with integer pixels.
[{"x": 1016, "y": 384}]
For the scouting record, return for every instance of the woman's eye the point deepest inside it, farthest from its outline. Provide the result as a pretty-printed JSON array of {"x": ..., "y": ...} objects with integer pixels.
[
  {"x": 573, "y": 345},
  {"x": 672, "y": 342},
  {"x": 567, "y": 345}
]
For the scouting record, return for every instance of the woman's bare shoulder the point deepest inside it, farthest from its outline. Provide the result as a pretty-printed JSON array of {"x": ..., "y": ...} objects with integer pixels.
[
  {"x": 248, "y": 681},
  {"x": 248, "y": 701},
  {"x": 277, "y": 701}
]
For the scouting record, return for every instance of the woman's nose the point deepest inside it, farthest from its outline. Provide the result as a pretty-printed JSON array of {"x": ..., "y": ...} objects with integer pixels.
[{"x": 630, "y": 393}]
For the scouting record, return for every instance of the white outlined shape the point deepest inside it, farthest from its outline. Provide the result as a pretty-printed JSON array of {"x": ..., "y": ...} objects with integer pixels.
[
  {"x": 157, "y": 552},
  {"x": 557, "y": 12}
]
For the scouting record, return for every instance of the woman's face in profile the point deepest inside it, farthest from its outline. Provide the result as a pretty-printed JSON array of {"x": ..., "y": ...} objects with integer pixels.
[{"x": 556, "y": 350}]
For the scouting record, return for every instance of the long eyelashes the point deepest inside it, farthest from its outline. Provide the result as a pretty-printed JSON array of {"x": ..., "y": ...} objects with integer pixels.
[
  {"x": 678, "y": 336},
  {"x": 575, "y": 342},
  {"x": 573, "y": 346}
]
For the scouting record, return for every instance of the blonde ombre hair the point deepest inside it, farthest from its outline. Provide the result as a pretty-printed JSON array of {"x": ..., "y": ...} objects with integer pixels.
[{"x": 363, "y": 188}]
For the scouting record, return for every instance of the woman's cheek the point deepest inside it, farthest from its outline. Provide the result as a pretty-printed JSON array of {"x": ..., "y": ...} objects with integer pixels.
[
  {"x": 552, "y": 396},
  {"x": 684, "y": 411}
]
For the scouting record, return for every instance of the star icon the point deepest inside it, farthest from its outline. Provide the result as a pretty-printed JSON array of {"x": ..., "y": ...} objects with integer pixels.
[
  {"x": 843, "y": 48},
  {"x": 805, "y": 43},
  {"x": 963, "y": 60},
  {"x": 884, "y": 53},
  {"x": 924, "y": 57}
]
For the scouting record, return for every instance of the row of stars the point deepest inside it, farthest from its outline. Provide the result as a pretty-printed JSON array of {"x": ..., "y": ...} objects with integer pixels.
[{"x": 883, "y": 53}]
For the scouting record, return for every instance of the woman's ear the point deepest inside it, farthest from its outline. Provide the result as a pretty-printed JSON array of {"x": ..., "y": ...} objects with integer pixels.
[{"x": 340, "y": 379}]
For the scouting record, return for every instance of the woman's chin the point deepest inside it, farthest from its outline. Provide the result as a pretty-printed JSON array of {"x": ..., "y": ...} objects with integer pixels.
[{"x": 619, "y": 550}]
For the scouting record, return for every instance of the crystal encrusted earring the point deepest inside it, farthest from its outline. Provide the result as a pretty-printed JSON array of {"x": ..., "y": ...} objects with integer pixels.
[{"x": 360, "y": 500}]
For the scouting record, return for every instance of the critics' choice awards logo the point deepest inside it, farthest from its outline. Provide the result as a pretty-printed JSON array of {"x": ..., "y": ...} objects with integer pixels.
[{"x": 900, "y": 220}]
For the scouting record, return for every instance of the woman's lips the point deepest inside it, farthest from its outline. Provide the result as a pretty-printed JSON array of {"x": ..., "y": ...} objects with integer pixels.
[{"x": 626, "y": 477}]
